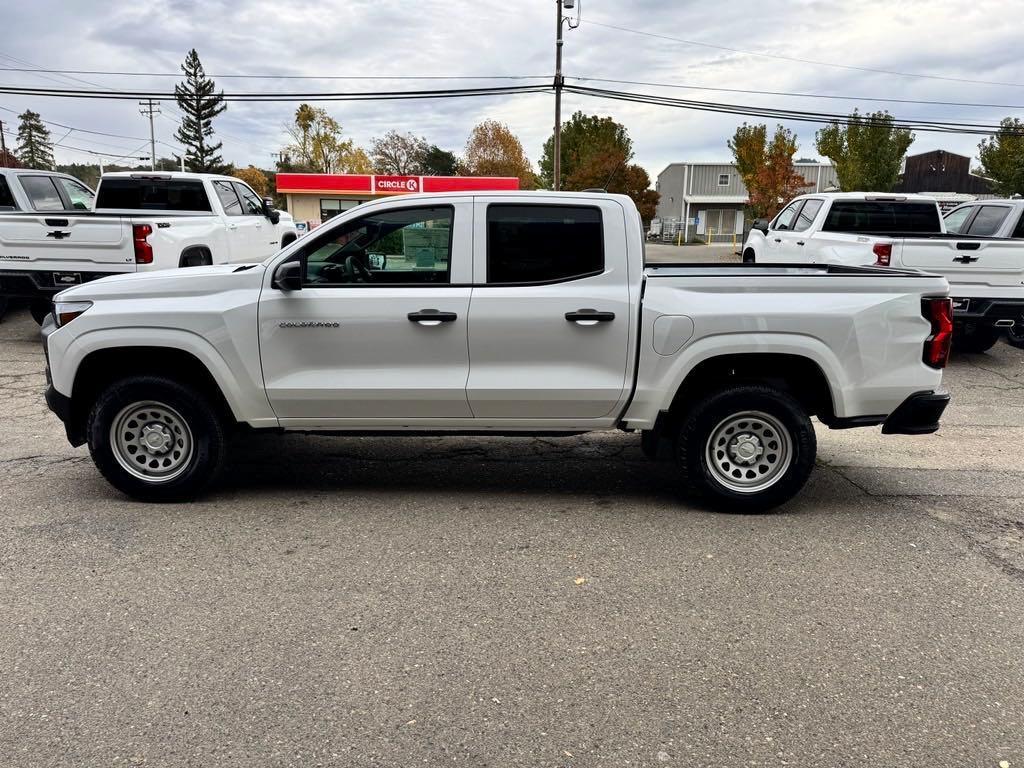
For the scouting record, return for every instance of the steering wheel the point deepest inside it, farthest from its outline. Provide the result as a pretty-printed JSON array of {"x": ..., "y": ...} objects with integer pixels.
[{"x": 354, "y": 268}]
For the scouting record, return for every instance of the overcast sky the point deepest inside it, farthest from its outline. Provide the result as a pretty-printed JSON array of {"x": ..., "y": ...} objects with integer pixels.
[{"x": 977, "y": 40}]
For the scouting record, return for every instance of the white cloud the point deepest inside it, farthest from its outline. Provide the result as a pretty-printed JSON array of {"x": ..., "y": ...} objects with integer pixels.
[{"x": 434, "y": 37}]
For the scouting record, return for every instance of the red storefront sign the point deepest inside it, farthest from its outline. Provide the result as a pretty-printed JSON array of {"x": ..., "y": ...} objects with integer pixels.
[
  {"x": 396, "y": 185},
  {"x": 370, "y": 185}
]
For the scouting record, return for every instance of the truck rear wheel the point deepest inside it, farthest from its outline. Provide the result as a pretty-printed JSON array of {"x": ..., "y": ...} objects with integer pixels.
[
  {"x": 747, "y": 448},
  {"x": 975, "y": 339},
  {"x": 155, "y": 439},
  {"x": 748, "y": 256},
  {"x": 1015, "y": 334}
]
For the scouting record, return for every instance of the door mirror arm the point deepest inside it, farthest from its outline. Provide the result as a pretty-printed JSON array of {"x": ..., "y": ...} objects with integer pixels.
[{"x": 288, "y": 276}]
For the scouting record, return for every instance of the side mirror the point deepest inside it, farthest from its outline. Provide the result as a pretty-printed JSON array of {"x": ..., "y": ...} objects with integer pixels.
[
  {"x": 270, "y": 212},
  {"x": 288, "y": 276},
  {"x": 761, "y": 225}
]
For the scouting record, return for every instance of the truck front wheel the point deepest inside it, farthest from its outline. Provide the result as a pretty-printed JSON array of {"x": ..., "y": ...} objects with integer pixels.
[
  {"x": 155, "y": 439},
  {"x": 747, "y": 448},
  {"x": 748, "y": 256}
]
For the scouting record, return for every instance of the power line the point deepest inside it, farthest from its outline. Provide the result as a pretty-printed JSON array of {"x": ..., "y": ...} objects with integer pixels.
[
  {"x": 798, "y": 60},
  {"x": 685, "y": 87},
  {"x": 941, "y": 126},
  {"x": 274, "y": 77},
  {"x": 286, "y": 96},
  {"x": 126, "y": 155}
]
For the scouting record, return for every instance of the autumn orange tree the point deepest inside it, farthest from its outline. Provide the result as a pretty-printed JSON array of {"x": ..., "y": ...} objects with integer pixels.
[
  {"x": 597, "y": 154},
  {"x": 255, "y": 178},
  {"x": 493, "y": 150},
  {"x": 766, "y": 167}
]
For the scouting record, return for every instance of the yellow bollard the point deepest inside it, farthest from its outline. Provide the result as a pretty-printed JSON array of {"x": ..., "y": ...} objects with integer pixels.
[{"x": 679, "y": 238}]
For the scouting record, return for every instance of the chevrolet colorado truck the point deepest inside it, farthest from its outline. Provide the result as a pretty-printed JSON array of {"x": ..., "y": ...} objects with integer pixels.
[
  {"x": 509, "y": 313},
  {"x": 142, "y": 221},
  {"x": 985, "y": 272}
]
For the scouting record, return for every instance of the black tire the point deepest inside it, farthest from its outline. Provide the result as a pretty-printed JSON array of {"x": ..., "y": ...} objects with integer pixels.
[
  {"x": 1015, "y": 334},
  {"x": 756, "y": 406},
  {"x": 197, "y": 257},
  {"x": 202, "y": 440},
  {"x": 975, "y": 339},
  {"x": 748, "y": 256},
  {"x": 287, "y": 240},
  {"x": 40, "y": 309}
]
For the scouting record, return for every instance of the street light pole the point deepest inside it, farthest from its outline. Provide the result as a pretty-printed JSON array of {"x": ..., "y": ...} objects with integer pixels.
[
  {"x": 559, "y": 82},
  {"x": 557, "y": 173}
]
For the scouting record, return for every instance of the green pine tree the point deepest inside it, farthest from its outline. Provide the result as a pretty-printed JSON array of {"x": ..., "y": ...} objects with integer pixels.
[
  {"x": 35, "y": 150},
  {"x": 200, "y": 103}
]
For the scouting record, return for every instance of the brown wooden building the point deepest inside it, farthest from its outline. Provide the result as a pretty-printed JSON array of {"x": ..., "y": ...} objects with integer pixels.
[{"x": 941, "y": 171}]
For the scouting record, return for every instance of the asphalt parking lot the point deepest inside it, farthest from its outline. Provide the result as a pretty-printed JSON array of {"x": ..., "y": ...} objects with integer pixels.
[{"x": 515, "y": 602}]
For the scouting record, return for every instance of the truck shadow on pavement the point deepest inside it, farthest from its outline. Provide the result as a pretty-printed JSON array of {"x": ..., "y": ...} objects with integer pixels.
[{"x": 603, "y": 466}]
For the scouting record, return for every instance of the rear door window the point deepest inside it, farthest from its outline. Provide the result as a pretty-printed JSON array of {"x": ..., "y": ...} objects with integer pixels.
[
  {"x": 988, "y": 221},
  {"x": 1018, "y": 231},
  {"x": 152, "y": 194},
  {"x": 543, "y": 243},
  {"x": 42, "y": 193},
  {"x": 873, "y": 217}
]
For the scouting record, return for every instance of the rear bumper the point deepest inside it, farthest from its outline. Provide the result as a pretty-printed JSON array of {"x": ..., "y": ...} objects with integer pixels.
[
  {"x": 31, "y": 284},
  {"x": 919, "y": 414},
  {"x": 987, "y": 311}
]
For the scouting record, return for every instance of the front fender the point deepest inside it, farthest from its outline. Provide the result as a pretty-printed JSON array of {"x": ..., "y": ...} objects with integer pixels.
[{"x": 244, "y": 395}]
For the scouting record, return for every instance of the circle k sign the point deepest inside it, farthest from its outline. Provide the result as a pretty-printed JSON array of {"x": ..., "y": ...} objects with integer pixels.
[{"x": 394, "y": 184}]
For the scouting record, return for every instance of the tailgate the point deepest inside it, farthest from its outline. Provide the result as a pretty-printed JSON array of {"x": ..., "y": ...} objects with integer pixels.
[
  {"x": 992, "y": 262},
  {"x": 81, "y": 242}
]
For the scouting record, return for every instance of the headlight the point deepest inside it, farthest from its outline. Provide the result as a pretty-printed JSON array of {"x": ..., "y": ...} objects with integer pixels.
[{"x": 66, "y": 311}]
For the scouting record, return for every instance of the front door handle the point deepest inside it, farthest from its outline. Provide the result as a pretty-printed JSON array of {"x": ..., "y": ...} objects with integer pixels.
[
  {"x": 799, "y": 242},
  {"x": 778, "y": 239},
  {"x": 589, "y": 317},
  {"x": 431, "y": 317}
]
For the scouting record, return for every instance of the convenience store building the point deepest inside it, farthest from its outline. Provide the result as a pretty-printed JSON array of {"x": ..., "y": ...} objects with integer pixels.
[{"x": 313, "y": 198}]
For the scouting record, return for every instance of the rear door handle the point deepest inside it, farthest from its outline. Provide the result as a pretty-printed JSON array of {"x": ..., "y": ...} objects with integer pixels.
[
  {"x": 799, "y": 242},
  {"x": 431, "y": 317},
  {"x": 589, "y": 317},
  {"x": 778, "y": 239}
]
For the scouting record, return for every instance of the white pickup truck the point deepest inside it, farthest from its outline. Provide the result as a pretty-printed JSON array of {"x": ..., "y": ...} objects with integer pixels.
[
  {"x": 496, "y": 313},
  {"x": 985, "y": 272},
  {"x": 141, "y": 222}
]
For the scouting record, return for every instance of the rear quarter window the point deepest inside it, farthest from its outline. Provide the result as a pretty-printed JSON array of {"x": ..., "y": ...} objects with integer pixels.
[
  {"x": 882, "y": 217},
  {"x": 6, "y": 198},
  {"x": 152, "y": 195}
]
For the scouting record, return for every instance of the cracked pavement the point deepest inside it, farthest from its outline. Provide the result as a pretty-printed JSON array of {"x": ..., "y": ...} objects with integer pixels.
[{"x": 515, "y": 602}]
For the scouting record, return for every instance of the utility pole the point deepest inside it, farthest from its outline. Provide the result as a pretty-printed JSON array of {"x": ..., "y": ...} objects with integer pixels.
[
  {"x": 559, "y": 82},
  {"x": 149, "y": 109},
  {"x": 3, "y": 147}
]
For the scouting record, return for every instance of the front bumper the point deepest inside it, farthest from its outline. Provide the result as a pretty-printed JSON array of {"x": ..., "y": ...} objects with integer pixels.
[
  {"x": 57, "y": 402},
  {"x": 919, "y": 414}
]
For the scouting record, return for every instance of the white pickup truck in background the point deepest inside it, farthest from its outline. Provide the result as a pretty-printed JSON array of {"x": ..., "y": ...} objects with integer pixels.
[
  {"x": 985, "y": 273},
  {"x": 496, "y": 313},
  {"x": 140, "y": 222}
]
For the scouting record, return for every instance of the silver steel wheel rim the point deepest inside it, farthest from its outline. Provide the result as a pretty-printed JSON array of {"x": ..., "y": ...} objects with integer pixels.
[
  {"x": 749, "y": 451},
  {"x": 151, "y": 441}
]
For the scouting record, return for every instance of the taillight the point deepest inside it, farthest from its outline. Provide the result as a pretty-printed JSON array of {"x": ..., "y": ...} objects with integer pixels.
[
  {"x": 939, "y": 312},
  {"x": 883, "y": 252},
  {"x": 143, "y": 250}
]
